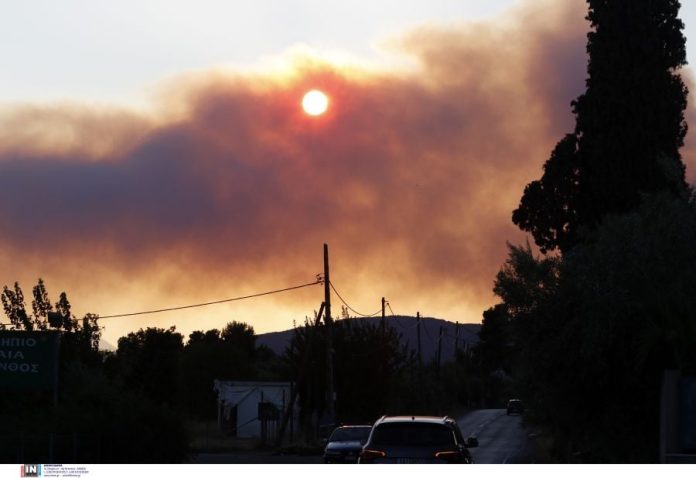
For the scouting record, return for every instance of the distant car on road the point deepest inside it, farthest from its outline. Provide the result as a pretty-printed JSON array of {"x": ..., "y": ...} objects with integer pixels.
[
  {"x": 345, "y": 443},
  {"x": 515, "y": 406},
  {"x": 416, "y": 439}
]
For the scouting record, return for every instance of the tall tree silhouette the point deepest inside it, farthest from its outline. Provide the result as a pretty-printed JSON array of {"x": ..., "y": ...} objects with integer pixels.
[
  {"x": 629, "y": 125},
  {"x": 79, "y": 341},
  {"x": 210, "y": 355},
  {"x": 149, "y": 362}
]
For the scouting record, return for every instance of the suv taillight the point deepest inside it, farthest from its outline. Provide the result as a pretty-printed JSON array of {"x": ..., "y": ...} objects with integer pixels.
[
  {"x": 449, "y": 456},
  {"x": 367, "y": 455}
]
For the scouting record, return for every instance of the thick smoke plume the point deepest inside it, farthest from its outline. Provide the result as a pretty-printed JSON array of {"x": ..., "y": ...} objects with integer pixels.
[{"x": 410, "y": 177}]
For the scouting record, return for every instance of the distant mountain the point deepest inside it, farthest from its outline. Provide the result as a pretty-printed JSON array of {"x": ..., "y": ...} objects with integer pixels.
[
  {"x": 406, "y": 327},
  {"x": 106, "y": 346}
]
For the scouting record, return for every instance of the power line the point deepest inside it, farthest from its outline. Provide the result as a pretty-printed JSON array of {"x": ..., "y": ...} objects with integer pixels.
[
  {"x": 349, "y": 307},
  {"x": 398, "y": 322},
  {"x": 203, "y": 304}
]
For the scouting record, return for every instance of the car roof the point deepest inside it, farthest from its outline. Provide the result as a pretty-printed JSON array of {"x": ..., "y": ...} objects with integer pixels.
[
  {"x": 353, "y": 426},
  {"x": 414, "y": 418}
]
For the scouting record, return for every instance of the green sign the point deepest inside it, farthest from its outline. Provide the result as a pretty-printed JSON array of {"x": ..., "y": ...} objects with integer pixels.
[{"x": 28, "y": 359}]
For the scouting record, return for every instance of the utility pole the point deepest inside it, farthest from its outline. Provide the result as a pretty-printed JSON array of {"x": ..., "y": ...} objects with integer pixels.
[
  {"x": 439, "y": 350},
  {"x": 418, "y": 335},
  {"x": 381, "y": 324},
  {"x": 328, "y": 321},
  {"x": 295, "y": 389},
  {"x": 456, "y": 339}
]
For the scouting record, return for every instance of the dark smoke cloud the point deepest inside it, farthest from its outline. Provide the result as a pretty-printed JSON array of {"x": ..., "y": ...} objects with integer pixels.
[{"x": 411, "y": 177}]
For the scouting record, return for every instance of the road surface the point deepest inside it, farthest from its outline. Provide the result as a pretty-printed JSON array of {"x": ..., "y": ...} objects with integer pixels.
[
  {"x": 255, "y": 458},
  {"x": 502, "y": 439}
]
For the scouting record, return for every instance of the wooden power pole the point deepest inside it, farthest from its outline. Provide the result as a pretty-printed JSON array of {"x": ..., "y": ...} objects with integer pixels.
[
  {"x": 456, "y": 340},
  {"x": 299, "y": 379},
  {"x": 328, "y": 322},
  {"x": 381, "y": 324},
  {"x": 418, "y": 335},
  {"x": 439, "y": 350},
  {"x": 301, "y": 374}
]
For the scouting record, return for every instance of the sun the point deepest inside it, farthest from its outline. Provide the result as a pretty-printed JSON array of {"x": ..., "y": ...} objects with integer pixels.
[{"x": 315, "y": 102}]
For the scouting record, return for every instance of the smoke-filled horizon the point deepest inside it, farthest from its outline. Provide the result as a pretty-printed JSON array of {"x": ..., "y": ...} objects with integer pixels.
[{"x": 230, "y": 189}]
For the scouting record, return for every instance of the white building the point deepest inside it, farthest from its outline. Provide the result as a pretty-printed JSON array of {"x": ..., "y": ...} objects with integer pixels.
[{"x": 253, "y": 409}]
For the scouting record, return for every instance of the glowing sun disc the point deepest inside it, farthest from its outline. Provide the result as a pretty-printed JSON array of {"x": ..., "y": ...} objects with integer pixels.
[{"x": 315, "y": 102}]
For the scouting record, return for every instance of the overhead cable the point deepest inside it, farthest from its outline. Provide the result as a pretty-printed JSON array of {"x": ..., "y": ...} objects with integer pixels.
[
  {"x": 350, "y": 308},
  {"x": 203, "y": 304}
]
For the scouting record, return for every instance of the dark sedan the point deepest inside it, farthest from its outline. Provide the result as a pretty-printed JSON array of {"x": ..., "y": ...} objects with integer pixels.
[
  {"x": 345, "y": 443},
  {"x": 515, "y": 406}
]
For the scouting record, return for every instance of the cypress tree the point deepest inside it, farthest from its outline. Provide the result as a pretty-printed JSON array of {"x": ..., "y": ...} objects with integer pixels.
[{"x": 629, "y": 125}]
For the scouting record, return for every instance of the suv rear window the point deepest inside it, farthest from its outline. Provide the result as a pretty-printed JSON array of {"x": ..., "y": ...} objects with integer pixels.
[
  {"x": 350, "y": 434},
  {"x": 412, "y": 434}
]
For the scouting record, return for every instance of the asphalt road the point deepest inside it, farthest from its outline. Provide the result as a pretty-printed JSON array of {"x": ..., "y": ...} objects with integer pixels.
[
  {"x": 502, "y": 439},
  {"x": 255, "y": 458}
]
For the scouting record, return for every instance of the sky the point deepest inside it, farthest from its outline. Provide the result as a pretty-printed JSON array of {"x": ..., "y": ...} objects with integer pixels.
[{"x": 155, "y": 154}]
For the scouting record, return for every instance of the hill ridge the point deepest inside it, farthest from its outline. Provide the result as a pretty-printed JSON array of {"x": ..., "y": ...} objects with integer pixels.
[{"x": 405, "y": 325}]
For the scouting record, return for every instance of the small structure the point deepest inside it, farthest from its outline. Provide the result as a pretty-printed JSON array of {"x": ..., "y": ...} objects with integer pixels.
[
  {"x": 678, "y": 418},
  {"x": 253, "y": 409}
]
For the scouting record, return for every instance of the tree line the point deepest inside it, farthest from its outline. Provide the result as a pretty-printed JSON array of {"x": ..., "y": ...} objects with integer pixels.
[
  {"x": 588, "y": 325},
  {"x": 133, "y": 404}
]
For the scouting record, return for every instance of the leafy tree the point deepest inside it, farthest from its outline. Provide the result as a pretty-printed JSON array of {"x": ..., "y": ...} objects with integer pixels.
[
  {"x": 208, "y": 337},
  {"x": 63, "y": 307},
  {"x": 549, "y": 206},
  {"x": 15, "y": 308},
  {"x": 306, "y": 355},
  {"x": 633, "y": 315},
  {"x": 41, "y": 305},
  {"x": 149, "y": 361},
  {"x": 370, "y": 369},
  {"x": 78, "y": 341},
  {"x": 210, "y": 355},
  {"x": 525, "y": 281},
  {"x": 629, "y": 125},
  {"x": 596, "y": 329},
  {"x": 496, "y": 340},
  {"x": 370, "y": 364},
  {"x": 527, "y": 285},
  {"x": 595, "y": 334},
  {"x": 89, "y": 333},
  {"x": 241, "y": 336}
]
